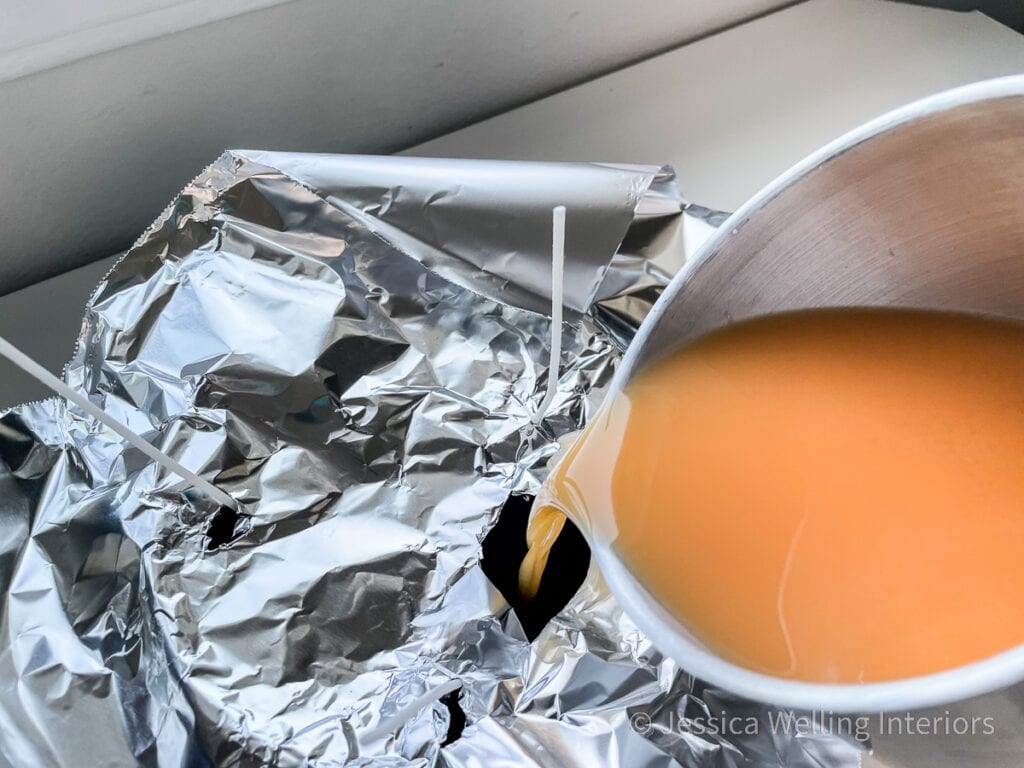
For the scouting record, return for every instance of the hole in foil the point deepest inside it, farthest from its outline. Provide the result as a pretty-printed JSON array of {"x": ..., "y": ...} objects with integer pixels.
[
  {"x": 456, "y": 717},
  {"x": 222, "y": 528},
  {"x": 503, "y": 550},
  {"x": 17, "y": 445}
]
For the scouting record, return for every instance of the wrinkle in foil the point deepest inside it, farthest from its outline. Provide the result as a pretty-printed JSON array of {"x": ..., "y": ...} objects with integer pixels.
[{"x": 353, "y": 348}]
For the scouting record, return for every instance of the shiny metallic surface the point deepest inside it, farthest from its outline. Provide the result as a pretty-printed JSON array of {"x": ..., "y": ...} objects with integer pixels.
[
  {"x": 921, "y": 208},
  {"x": 353, "y": 349}
]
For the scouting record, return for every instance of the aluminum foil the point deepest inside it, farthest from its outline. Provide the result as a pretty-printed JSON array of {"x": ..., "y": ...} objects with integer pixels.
[{"x": 353, "y": 348}]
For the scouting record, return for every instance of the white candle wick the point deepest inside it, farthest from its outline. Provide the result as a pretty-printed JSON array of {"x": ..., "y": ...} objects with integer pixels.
[
  {"x": 557, "y": 289},
  {"x": 42, "y": 375}
]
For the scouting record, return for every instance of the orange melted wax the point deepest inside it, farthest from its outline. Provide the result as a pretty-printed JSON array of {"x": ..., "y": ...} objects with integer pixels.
[{"x": 826, "y": 496}]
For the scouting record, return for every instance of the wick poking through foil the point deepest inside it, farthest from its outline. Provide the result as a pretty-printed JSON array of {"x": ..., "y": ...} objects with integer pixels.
[
  {"x": 32, "y": 368},
  {"x": 557, "y": 289},
  {"x": 546, "y": 523}
]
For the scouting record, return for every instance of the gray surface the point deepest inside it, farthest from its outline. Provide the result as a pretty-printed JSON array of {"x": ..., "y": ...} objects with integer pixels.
[
  {"x": 43, "y": 321},
  {"x": 93, "y": 150}
]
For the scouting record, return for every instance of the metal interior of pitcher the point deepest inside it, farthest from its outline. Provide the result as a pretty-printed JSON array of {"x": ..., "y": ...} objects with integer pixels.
[{"x": 922, "y": 208}]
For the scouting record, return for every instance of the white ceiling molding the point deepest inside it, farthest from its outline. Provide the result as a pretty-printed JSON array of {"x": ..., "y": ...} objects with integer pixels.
[{"x": 40, "y": 34}]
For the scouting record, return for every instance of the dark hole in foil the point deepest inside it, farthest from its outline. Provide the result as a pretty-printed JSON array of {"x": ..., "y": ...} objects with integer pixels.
[
  {"x": 456, "y": 717},
  {"x": 503, "y": 550},
  {"x": 222, "y": 527},
  {"x": 16, "y": 445}
]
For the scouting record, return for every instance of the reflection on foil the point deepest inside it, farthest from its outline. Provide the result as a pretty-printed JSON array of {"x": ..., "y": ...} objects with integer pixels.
[{"x": 352, "y": 348}]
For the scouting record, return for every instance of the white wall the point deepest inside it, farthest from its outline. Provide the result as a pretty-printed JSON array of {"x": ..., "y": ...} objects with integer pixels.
[
  {"x": 733, "y": 111},
  {"x": 39, "y": 34},
  {"x": 91, "y": 152},
  {"x": 729, "y": 112}
]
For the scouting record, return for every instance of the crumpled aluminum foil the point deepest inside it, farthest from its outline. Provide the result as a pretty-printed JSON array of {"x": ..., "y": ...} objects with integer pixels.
[{"x": 353, "y": 348}]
